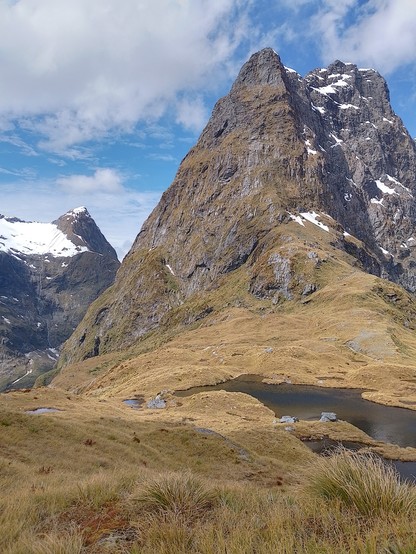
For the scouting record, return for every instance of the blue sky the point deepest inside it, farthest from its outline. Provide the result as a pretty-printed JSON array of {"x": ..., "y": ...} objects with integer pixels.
[{"x": 100, "y": 100}]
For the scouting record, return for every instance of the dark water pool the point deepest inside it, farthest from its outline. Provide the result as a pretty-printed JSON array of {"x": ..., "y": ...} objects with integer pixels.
[{"x": 384, "y": 423}]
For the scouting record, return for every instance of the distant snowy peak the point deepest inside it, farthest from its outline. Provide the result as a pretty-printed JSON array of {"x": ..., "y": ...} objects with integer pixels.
[
  {"x": 77, "y": 212},
  {"x": 38, "y": 239},
  {"x": 80, "y": 228}
]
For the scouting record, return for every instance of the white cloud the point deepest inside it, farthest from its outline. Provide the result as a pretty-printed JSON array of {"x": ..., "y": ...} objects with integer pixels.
[
  {"x": 192, "y": 113},
  {"x": 103, "y": 180},
  {"x": 380, "y": 33},
  {"x": 75, "y": 70}
]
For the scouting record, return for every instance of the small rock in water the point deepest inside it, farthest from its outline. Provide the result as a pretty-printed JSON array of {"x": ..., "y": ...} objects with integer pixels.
[
  {"x": 288, "y": 419},
  {"x": 328, "y": 416},
  {"x": 156, "y": 402}
]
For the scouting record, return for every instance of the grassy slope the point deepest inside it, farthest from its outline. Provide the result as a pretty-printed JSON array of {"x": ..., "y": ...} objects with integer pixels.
[
  {"x": 356, "y": 331},
  {"x": 72, "y": 482}
]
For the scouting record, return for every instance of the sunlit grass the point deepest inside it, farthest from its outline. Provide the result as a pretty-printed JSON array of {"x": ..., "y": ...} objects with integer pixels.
[
  {"x": 182, "y": 513},
  {"x": 363, "y": 482},
  {"x": 80, "y": 483},
  {"x": 181, "y": 495}
]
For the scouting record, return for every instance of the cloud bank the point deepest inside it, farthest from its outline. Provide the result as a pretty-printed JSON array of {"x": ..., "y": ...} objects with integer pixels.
[
  {"x": 376, "y": 33},
  {"x": 73, "y": 71},
  {"x": 103, "y": 180}
]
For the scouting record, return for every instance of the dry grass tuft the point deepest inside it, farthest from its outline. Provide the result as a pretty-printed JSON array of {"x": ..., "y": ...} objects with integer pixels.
[
  {"x": 179, "y": 495},
  {"x": 70, "y": 542},
  {"x": 363, "y": 482}
]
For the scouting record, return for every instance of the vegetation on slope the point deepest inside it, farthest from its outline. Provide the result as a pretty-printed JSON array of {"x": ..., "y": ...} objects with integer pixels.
[
  {"x": 98, "y": 477},
  {"x": 143, "y": 511}
]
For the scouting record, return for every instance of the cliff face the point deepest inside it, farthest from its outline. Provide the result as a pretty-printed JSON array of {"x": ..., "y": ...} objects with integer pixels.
[
  {"x": 49, "y": 274},
  {"x": 278, "y": 150}
]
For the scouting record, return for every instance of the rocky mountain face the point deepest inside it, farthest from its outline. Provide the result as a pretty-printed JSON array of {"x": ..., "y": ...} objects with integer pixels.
[
  {"x": 49, "y": 274},
  {"x": 280, "y": 155}
]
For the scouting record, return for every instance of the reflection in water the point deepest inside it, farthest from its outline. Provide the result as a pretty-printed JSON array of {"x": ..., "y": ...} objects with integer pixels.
[{"x": 384, "y": 423}]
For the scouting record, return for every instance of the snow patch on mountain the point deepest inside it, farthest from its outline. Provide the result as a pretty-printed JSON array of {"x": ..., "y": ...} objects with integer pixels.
[
  {"x": 312, "y": 218},
  {"x": 32, "y": 238},
  {"x": 297, "y": 218},
  {"x": 82, "y": 210},
  {"x": 384, "y": 188}
]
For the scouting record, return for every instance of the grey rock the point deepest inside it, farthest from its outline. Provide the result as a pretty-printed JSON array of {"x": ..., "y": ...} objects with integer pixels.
[
  {"x": 288, "y": 419},
  {"x": 242, "y": 453},
  {"x": 156, "y": 403},
  {"x": 328, "y": 416},
  {"x": 309, "y": 289}
]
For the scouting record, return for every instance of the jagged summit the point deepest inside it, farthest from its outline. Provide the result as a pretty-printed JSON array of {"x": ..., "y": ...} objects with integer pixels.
[
  {"x": 78, "y": 211},
  {"x": 78, "y": 225},
  {"x": 263, "y": 68},
  {"x": 325, "y": 151}
]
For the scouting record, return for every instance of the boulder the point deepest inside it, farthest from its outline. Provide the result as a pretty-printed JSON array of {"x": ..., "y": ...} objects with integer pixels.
[
  {"x": 288, "y": 419},
  {"x": 328, "y": 416},
  {"x": 156, "y": 403}
]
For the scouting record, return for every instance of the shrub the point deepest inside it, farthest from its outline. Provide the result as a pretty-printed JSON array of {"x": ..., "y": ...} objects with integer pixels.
[{"x": 364, "y": 482}]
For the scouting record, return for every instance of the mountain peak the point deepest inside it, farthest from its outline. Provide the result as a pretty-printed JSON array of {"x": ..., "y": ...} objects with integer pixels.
[
  {"x": 81, "y": 229},
  {"x": 263, "y": 68},
  {"x": 339, "y": 66},
  {"x": 72, "y": 233},
  {"x": 279, "y": 148},
  {"x": 80, "y": 211},
  {"x": 32, "y": 238},
  {"x": 49, "y": 273}
]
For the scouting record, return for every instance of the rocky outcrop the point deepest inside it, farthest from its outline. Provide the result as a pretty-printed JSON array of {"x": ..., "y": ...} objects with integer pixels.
[
  {"x": 49, "y": 274},
  {"x": 325, "y": 150}
]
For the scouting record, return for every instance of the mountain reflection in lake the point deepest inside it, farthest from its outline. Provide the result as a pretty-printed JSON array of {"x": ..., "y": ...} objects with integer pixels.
[{"x": 384, "y": 423}]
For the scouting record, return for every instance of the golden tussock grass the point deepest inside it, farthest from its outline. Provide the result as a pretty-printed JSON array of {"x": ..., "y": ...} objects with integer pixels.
[
  {"x": 363, "y": 482},
  {"x": 130, "y": 507}
]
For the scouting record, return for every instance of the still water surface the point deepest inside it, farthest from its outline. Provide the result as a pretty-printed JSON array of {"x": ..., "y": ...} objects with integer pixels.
[{"x": 384, "y": 423}]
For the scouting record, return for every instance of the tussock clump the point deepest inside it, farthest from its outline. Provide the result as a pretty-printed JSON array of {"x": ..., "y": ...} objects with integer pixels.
[
  {"x": 52, "y": 543},
  {"x": 177, "y": 494},
  {"x": 363, "y": 482}
]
